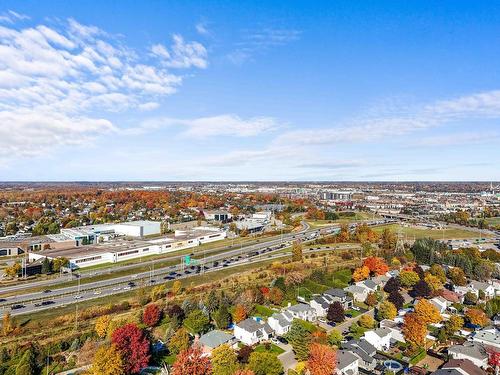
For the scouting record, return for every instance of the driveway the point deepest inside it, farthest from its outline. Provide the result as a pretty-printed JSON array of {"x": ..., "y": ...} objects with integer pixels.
[
  {"x": 287, "y": 358},
  {"x": 346, "y": 323}
]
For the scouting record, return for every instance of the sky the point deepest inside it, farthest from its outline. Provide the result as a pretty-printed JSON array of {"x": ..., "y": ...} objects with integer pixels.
[{"x": 252, "y": 90}]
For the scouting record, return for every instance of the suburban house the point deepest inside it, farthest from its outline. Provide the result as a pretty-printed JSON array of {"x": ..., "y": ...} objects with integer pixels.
[
  {"x": 450, "y": 296},
  {"x": 347, "y": 363},
  {"x": 380, "y": 338},
  {"x": 440, "y": 303},
  {"x": 474, "y": 287},
  {"x": 213, "y": 339},
  {"x": 250, "y": 331},
  {"x": 463, "y": 366},
  {"x": 472, "y": 351},
  {"x": 358, "y": 293},
  {"x": 488, "y": 337},
  {"x": 364, "y": 351},
  {"x": 369, "y": 285},
  {"x": 395, "y": 327},
  {"x": 321, "y": 303},
  {"x": 280, "y": 322},
  {"x": 302, "y": 311},
  {"x": 340, "y": 296}
]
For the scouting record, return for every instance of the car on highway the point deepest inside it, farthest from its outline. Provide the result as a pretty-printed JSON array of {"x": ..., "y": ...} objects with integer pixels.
[
  {"x": 17, "y": 307},
  {"x": 131, "y": 284},
  {"x": 3, "y": 300},
  {"x": 115, "y": 289},
  {"x": 127, "y": 288},
  {"x": 97, "y": 292},
  {"x": 77, "y": 296},
  {"x": 47, "y": 291}
]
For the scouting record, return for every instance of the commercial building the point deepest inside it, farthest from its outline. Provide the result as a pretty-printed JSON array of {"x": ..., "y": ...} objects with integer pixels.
[{"x": 119, "y": 249}]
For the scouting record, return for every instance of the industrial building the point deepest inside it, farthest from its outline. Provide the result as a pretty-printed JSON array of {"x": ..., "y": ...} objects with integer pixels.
[{"x": 119, "y": 249}]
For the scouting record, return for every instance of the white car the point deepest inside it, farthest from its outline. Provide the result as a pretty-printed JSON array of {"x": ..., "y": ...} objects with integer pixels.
[
  {"x": 78, "y": 297},
  {"x": 115, "y": 289},
  {"x": 355, "y": 308},
  {"x": 97, "y": 292},
  {"x": 127, "y": 288}
]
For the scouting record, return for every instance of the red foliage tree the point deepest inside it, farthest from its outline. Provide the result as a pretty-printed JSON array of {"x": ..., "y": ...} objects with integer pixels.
[
  {"x": 151, "y": 315},
  {"x": 131, "y": 341},
  {"x": 494, "y": 359},
  {"x": 322, "y": 360},
  {"x": 376, "y": 265},
  {"x": 191, "y": 361}
]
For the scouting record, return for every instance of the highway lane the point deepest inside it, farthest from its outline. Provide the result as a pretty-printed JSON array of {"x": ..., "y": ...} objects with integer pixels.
[
  {"x": 108, "y": 270},
  {"x": 78, "y": 297}
]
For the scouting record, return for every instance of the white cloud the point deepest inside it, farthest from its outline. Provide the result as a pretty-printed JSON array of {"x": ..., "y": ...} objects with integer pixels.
[
  {"x": 221, "y": 125},
  {"x": 202, "y": 29},
  {"x": 10, "y": 17},
  {"x": 459, "y": 139},
  {"x": 182, "y": 54}
]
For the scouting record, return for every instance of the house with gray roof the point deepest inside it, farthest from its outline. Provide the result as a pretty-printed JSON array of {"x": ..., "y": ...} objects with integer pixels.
[
  {"x": 280, "y": 322},
  {"x": 364, "y": 351},
  {"x": 251, "y": 331},
  {"x": 464, "y": 366},
  {"x": 302, "y": 311},
  {"x": 347, "y": 363},
  {"x": 214, "y": 339},
  {"x": 473, "y": 351},
  {"x": 488, "y": 337},
  {"x": 358, "y": 293}
]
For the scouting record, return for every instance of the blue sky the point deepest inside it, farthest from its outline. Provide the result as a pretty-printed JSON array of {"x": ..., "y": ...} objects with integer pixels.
[{"x": 224, "y": 90}]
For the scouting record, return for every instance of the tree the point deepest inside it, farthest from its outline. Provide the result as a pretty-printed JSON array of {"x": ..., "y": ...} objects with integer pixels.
[
  {"x": 151, "y": 315},
  {"x": 371, "y": 299},
  {"x": 392, "y": 285},
  {"x": 335, "y": 312},
  {"x": 244, "y": 372},
  {"x": 192, "y": 361},
  {"x": 376, "y": 265},
  {"x": 386, "y": 310},
  {"x": 457, "y": 276},
  {"x": 300, "y": 339},
  {"x": 322, "y": 360},
  {"x": 7, "y": 324},
  {"x": 470, "y": 298},
  {"x": 361, "y": 273},
  {"x": 421, "y": 289},
  {"x": 179, "y": 341},
  {"x": 102, "y": 325},
  {"x": 414, "y": 330},
  {"x": 107, "y": 361},
  {"x": 275, "y": 296},
  {"x": 196, "y": 322},
  {"x": 46, "y": 266},
  {"x": 134, "y": 347},
  {"x": 244, "y": 354},
  {"x": 239, "y": 314},
  {"x": 408, "y": 278},
  {"x": 476, "y": 316},
  {"x": 366, "y": 321},
  {"x": 335, "y": 337},
  {"x": 427, "y": 313},
  {"x": 224, "y": 360},
  {"x": 27, "y": 364},
  {"x": 297, "y": 251},
  {"x": 14, "y": 270},
  {"x": 439, "y": 272},
  {"x": 344, "y": 234},
  {"x": 396, "y": 299},
  {"x": 454, "y": 324},
  {"x": 222, "y": 317},
  {"x": 262, "y": 363},
  {"x": 176, "y": 287},
  {"x": 434, "y": 283}
]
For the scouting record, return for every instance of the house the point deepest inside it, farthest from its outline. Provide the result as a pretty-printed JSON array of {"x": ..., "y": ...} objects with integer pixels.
[
  {"x": 472, "y": 351},
  {"x": 250, "y": 331},
  {"x": 358, "y": 293},
  {"x": 280, "y": 322},
  {"x": 496, "y": 319},
  {"x": 463, "y": 366},
  {"x": 340, "y": 296},
  {"x": 369, "y": 285},
  {"x": 380, "y": 338},
  {"x": 380, "y": 280},
  {"x": 302, "y": 311},
  {"x": 347, "y": 363},
  {"x": 488, "y": 337},
  {"x": 364, "y": 351},
  {"x": 440, "y": 303},
  {"x": 213, "y": 339},
  {"x": 488, "y": 289},
  {"x": 395, "y": 327},
  {"x": 450, "y": 296}
]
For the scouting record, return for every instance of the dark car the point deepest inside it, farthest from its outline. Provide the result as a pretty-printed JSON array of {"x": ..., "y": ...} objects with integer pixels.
[
  {"x": 131, "y": 284},
  {"x": 17, "y": 307},
  {"x": 169, "y": 278},
  {"x": 282, "y": 340},
  {"x": 46, "y": 303},
  {"x": 2, "y": 300}
]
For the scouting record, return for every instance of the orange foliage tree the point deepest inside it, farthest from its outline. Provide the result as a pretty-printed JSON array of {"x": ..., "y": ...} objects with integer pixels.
[
  {"x": 361, "y": 273},
  {"x": 414, "y": 330},
  {"x": 427, "y": 313},
  {"x": 322, "y": 359},
  {"x": 376, "y": 265},
  {"x": 477, "y": 316},
  {"x": 239, "y": 314},
  {"x": 192, "y": 361}
]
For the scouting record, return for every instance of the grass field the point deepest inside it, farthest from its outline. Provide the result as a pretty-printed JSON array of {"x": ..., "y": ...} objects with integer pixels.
[
  {"x": 415, "y": 233},
  {"x": 493, "y": 221},
  {"x": 269, "y": 348},
  {"x": 359, "y": 216}
]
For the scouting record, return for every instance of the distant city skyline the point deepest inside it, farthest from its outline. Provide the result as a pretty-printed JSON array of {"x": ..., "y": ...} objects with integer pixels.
[{"x": 220, "y": 91}]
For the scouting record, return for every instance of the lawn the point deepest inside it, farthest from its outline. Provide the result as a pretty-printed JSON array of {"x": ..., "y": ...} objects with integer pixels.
[
  {"x": 359, "y": 216},
  {"x": 493, "y": 221},
  {"x": 354, "y": 313},
  {"x": 269, "y": 348},
  {"x": 414, "y": 233},
  {"x": 263, "y": 311}
]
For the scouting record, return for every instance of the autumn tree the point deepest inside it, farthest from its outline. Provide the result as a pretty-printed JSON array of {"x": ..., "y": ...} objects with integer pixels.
[
  {"x": 414, "y": 330},
  {"x": 334, "y": 338},
  {"x": 7, "y": 323},
  {"x": 371, "y": 299},
  {"x": 297, "y": 251},
  {"x": 477, "y": 316},
  {"x": 101, "y": 325},
  {"x": 131, "y": 341},
  {"x": 196, "y": 322},
  {"x": 224, "y": 360},
  {"x": 176, "y": 287},
  {"x": 427, "y": 313},
  {"x": 388, "y": 239},
  {"x": 396, "y": 299},
  {"x": 421, "y": 289},
  {"x": 335, "y": 312},
  {"x": 239, "y": 314},
  {"x": 434, "y": 283},
  {"x": 152, "y": 315},
  {"x": 322, "y": 360},
  {"x": 179, "y": 341},
  {"x": 344, "y": 234},
  {"x": 366, "y": 321},
  {"x": 439, "y": 272},
  {"x": 192, "y": 361},
  {"x": 386, "y": 310},
  {"x": 107, "y": 361},
  {"x": 361, "y": 273},
  {"x": 408, "y": 278},
  {"x": 457, "y": 276},
  {"x": 376, "y": 265},
  {"x": 392, "y": 285},
  {"x": 262, "y": 363},
  {"x": 470, "y": 298},
  {"x": 275, "y": 296},
  {"x": 454, "y": 324}
]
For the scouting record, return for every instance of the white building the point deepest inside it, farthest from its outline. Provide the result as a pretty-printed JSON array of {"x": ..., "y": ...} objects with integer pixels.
[
  {"x": 280, "y": 322},
  {"x": 251, "y": 332},
  {"x": 302, "y": 311},
  {"x": 380, "y": 338},
  {"x": 347, "y": 363},
  {"x": 474, "y": 352}
]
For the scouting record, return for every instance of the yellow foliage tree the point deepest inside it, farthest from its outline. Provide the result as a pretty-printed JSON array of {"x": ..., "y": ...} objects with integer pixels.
[
  {"x": 107, "y": 361},
  {"x": 361, "y": 273},
  {"x": 434, "y": 282},
  {"x": 102, "y": 325},
  {"x": 414, "y": 330},
  {"x": 176, "y": 287},
  {"x": 427, "y": 313}
]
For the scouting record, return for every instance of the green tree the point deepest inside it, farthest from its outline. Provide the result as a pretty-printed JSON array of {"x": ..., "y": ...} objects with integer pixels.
[
  {"x": 46, "y": 266},
  {"x": 386, "y": 310},
  {"x": 179, "y": 341},
  {"x": 335, "y": 337},
  {"x": 265, "y": 364},
  {"x": 196, "y": 322},
  {"x": 27, "y": 364},
  {"x": 300, "y": 339},
  {"x": 222, "y": 317},
  {"x": 224, "y": 360}
]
